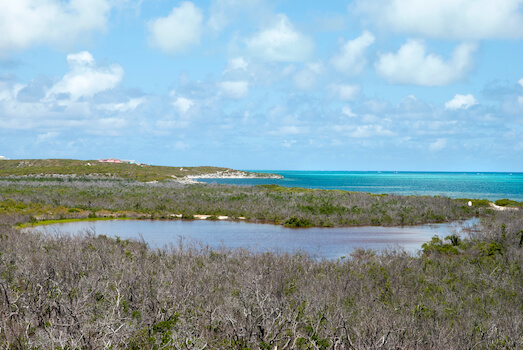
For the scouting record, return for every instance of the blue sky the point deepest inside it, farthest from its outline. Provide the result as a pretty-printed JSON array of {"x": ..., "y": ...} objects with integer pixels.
[{"x": 420, "y": 85}]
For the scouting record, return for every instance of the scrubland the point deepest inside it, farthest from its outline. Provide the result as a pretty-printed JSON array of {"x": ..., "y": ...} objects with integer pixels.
[{"x": 93, "y": 292}]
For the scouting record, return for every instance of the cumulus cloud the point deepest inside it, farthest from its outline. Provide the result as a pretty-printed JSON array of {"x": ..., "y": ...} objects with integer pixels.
[
  {"x": 183, "y": 104},
  {"x": 70, "y": 102},
  {"x": 520, "y": 82},
  {"x": 447, "y": 19},
  {"x": 178, "y": 31},
  {"x": 85, "y": 79},
  {"x": 238, "y": 63},
  {"x": 234, "y": 89},
  {"x": 24, "y": 23},
  {"x": 351, "y": 57},
  {"x": 412, "y": 65},
  {"x": 345, "y": 92},
  {"x": 461, "y": 102},
  {"x": 281, "y": 42}
]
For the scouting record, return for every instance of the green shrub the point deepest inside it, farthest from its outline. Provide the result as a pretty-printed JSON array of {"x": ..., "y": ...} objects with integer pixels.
[
  {"x": 508, "y": 203},
  {"x": 297, "y": 222}
]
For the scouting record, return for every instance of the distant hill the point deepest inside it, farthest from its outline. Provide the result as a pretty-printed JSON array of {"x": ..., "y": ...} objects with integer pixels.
[{"x": 94, "y": 168}]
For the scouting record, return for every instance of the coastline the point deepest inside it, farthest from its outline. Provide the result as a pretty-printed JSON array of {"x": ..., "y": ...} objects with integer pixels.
[
  {"x": 227, "y": 174},
  {"x": 234, "y": 174}
]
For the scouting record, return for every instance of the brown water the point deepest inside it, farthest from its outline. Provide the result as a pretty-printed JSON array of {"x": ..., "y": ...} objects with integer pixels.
[{"x": 331, "y": 243}]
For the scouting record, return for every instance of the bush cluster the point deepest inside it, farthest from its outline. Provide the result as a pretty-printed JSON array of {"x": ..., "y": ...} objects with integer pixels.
[
  {"x": 93, "y": 292},
  {"x": 290, "y": 206}
]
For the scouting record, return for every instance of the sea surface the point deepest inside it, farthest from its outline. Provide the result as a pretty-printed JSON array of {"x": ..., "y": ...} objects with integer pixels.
[
  {"x": 329, "y": 243},
  {"x": 491, "y": 186}
]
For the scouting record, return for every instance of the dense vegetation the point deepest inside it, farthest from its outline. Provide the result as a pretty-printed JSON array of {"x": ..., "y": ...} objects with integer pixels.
[
  {"x": 31, "y": 200},
  {"x": 93, "y": 168},
  {"x": 94, "y": 292}
]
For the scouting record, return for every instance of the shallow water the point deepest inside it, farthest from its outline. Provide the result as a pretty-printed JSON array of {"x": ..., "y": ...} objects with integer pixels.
[
  {"x": 491, "y": 186},
  {"x": 330, "y": 243}
]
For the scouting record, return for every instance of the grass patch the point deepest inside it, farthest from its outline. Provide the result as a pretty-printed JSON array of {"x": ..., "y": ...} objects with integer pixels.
[{"x": 63, "y": 221}]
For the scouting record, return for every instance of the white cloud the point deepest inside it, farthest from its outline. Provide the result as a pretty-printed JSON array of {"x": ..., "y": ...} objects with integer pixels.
[
  {"x": 24, "y": 23},
  {"x": 86, "y": 79},
  {"x": 234, "y": 89},
  {"x": 448, "y": 19},
  {"x": 461, "y": 102},
  {"x": 175, "y": 33},
  {"x": 281, "y": 42},
  {"x": 364, "y": 131},
  {"x": 345, "y": 92},
  {"x": 412, "y": 65},
  {"x": 438, "y": 145},
  {"x": 351, "y": 58},
  {"x": 83, "y": 58},
  {"x": 183, "y": 104},
  {"x": 122, "y": 107},
  {"x": 238, "y": 63},
  {"x": 520, "y": 98},
  {"x": 348, "y": 112}
]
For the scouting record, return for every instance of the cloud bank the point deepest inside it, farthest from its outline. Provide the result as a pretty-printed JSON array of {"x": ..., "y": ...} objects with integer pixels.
[
  {"x": 26, "y": 23},
  {"x": 413, "y": 65}
]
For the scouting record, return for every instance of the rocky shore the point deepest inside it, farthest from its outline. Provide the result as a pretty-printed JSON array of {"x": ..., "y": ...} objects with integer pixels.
[{"x": 234, "y": 174}]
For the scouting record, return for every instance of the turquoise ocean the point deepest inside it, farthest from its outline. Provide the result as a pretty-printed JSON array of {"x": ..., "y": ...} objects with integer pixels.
[{"x": 491, "y": 186}]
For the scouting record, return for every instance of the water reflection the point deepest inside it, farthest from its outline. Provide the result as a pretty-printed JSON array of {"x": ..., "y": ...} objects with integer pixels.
[{"x": 331, "y": 243}]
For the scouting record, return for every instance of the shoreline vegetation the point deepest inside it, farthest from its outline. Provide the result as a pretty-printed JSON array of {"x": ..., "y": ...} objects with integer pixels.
[
  {"x": 93, "y": 292},
  {"x": 95, "y": 169}
]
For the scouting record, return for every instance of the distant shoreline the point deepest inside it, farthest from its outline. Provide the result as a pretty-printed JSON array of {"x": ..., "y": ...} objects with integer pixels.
[{"x": 234, "y": 174}]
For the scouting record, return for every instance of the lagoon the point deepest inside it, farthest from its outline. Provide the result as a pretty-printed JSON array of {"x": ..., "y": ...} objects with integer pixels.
[{"x": 328, "y": 243}]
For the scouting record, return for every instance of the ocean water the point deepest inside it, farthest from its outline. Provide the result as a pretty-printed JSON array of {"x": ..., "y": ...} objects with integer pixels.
[{"x": 491, "y": 186}]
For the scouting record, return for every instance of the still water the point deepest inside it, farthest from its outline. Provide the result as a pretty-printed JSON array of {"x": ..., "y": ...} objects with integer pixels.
[{"x": 330, "y": 243}]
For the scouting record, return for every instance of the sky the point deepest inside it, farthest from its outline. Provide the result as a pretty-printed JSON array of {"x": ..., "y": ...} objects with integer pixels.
[{"x": 402, "y": 85}]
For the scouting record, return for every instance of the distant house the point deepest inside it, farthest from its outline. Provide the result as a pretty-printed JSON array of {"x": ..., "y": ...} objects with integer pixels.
[
  {"x": 113, "y": 160},
  {"x": 109, "y": 160}
]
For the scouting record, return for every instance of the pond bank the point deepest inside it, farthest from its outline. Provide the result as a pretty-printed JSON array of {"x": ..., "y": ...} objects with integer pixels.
[{"x": 329, "y": 243}]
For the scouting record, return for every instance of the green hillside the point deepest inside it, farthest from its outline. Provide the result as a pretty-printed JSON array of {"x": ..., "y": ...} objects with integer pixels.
[{"x": 140, "y": 172}]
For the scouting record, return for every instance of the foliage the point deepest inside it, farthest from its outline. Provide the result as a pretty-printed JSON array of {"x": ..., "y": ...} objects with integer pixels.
[
  {"x": 91, "y": 292},
  {"x": 508, "y": 203},
  {"x": 46, "y": 199},
  {"x": 67, "y": 169}
]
